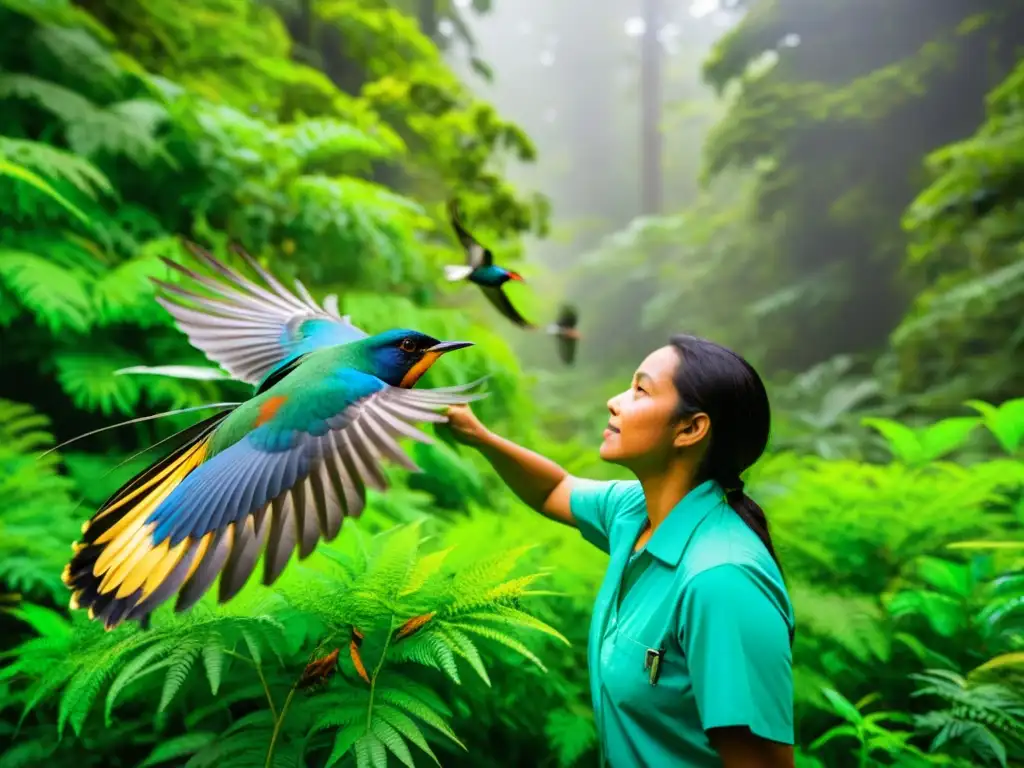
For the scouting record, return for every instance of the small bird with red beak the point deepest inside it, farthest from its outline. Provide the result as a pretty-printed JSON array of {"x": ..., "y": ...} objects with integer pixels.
[{"x": 481, "y": 269}]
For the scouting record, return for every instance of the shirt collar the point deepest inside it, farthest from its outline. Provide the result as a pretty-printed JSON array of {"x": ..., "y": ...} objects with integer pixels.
[{"x": 669, "y": 542}]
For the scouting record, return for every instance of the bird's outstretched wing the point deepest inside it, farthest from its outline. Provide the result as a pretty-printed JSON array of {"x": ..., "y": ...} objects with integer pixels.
[
  {"x": 476, "y": 254},
  {"x": 249, "y": 329},
  {"x": 500, "y": 300},
  {"x": 193, "y": 516}
]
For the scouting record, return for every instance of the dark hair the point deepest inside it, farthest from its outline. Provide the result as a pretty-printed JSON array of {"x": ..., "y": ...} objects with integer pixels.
[{"x": 716, "y": 381}]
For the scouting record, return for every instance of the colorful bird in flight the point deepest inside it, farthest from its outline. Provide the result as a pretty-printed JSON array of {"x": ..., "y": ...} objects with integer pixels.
[
  {"x": 481, "y": 269},
  {"x": 270, "y": 475}
]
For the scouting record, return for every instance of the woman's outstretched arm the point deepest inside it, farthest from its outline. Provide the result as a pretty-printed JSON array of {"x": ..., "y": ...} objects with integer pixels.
[{"x": 539, "y": 482}]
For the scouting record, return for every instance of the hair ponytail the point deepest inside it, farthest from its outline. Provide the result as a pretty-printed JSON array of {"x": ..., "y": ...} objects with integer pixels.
[
  {"x": 716, "y": 381},
  {"x": 752, "y": 514}
]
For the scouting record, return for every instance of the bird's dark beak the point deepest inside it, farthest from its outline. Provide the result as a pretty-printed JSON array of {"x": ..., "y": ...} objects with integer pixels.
[{"x": 448, "y": 346}]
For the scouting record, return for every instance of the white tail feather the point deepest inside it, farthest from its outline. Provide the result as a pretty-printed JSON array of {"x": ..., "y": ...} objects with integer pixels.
[{"x": 459, "y": 272}]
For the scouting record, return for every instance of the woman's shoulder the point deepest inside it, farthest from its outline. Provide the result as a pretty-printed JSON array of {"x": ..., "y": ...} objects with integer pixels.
[
  {"x": 616, "y": 496},
  {"x": 724, "y": 541}
]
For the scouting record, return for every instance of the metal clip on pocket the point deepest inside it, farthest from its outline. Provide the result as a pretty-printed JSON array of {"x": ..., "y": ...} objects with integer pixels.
[{"x": 652, "y": 664}]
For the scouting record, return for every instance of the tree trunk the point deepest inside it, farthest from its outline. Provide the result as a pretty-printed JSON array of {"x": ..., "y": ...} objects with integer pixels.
[
  {"x": 650, "y": 106},
  {"x": 428, "y": 18}
]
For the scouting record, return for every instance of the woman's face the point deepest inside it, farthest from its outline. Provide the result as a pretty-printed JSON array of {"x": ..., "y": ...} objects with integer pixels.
[{"x": 642, "y": 429}]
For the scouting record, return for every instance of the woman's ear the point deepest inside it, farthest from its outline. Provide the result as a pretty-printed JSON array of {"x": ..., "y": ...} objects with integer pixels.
[{"x": 691, "y": 430}]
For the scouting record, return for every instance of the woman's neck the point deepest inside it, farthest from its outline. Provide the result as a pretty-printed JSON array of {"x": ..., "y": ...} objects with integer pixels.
[{"x": 665, "y": 489}]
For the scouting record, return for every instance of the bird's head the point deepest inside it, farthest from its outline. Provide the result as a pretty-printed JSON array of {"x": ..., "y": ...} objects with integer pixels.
[{"x": 401, "y": 356}]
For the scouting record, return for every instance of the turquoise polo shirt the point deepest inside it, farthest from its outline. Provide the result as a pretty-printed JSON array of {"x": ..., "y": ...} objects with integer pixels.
[{"x": 705, "y": 592}]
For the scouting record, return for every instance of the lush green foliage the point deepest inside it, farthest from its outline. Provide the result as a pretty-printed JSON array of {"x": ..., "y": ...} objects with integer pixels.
[
  {"x": 837, "y": 117},
  {"x": 448, "y": 624}
]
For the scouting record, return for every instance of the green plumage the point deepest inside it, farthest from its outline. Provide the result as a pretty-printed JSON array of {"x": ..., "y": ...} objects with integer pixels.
[{"x": 313, "y": 388}]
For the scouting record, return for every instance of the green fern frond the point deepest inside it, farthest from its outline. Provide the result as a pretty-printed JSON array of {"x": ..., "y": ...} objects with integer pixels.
[
  {"x": 126, "y": 129},
  {"x": 125, "y": 293},
  {"x": 90, "y": 381},
  {"x": 330, "y": 146},
  {"x": 426, "y": 567},
  {"x": 58, "y": 297},
  {"x": 179, "y": 664},
  {"x": 406, "y": 726},
  {"x": 32, "y": 554},
  {"x": 79, "y": 53},
  {"x": 389, "y": 736},
  {"x": 61, "y": 14},
  {"x": 502, "y": 639},
  {"x": 428, "y": 649},
  {"x": 572, "y": 733},
  {"x": 464, "y": 647},
  {"x": 178, "y": 747},
  {"x": 49, "y": 161},
  {"x": 63, "y": 103}
]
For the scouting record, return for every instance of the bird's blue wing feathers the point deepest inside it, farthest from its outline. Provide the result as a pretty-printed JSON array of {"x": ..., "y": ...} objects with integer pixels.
[
  {"x": 281, "y": 488},
  {"x": 266, "y": 462},
  {"x": 318, "y": 332},
  {"x": 251, "y": 330}
]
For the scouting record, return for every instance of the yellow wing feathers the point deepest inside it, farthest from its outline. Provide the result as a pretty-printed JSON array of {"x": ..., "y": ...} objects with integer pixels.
[{"x": 118, "y": 557}]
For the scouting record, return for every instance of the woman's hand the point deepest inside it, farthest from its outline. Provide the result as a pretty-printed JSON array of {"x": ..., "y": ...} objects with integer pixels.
[{"x": 466, "y": 427}]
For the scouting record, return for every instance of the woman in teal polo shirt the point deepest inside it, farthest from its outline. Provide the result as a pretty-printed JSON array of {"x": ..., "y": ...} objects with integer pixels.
[{"x": 689, "y": 645}]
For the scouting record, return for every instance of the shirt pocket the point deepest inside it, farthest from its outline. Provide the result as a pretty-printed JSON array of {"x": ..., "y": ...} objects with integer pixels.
[{"x": 627, "y": 677}]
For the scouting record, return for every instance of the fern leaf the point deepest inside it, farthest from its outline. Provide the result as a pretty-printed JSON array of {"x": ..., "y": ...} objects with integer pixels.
[
  {"x": 428, "y": 650},
  {"x": 136, "y": 668},
  {"x": 90, "y": 381},
  {"x": 514, "y": 617},
  {"x": 463, "y": 646},
  {"x": 407, "y": 727},
  {"x": 213, "y": 661},
  {"x": 572, "y": 734},
  {"x": 375, "y": 750},
  {"x": 127, "y": 128},
  {"x": 340, "y": 716},
  {"x": 79, "y": 696},
  {"x": 56, "y": 296},
  {"x": 393, "y": 560},
  {"x": 426, "y": 567},
  {"x": 40, "y": 184},
  {"x": 178, "y": 747},
  {"x": 344, "y": 741},
  {"x": 393, "y": 741},
  {"x": 49, "y": 161},
  {"x": 80, "y": 53},
  {"x": 125, "y": 293},
  {"x": 63, "y": 103},
  {"x": 414, "y": 706},
  {"x": 502, "y": 639}
]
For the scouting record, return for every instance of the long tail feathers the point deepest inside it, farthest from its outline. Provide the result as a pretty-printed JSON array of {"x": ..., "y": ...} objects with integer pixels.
[
  {"x": 116, "y": 571},
  {"x": 145, "y": 418},
  {"x": 453, "y": 272}
]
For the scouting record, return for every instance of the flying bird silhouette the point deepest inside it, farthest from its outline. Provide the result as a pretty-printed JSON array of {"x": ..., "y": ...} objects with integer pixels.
[
  {"x": 481, "y": 269},
  {"x": 275, "y": 473}
]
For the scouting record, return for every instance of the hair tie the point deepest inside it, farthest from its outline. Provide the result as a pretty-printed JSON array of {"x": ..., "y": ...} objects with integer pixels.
[{"x": 735, "y": 487}]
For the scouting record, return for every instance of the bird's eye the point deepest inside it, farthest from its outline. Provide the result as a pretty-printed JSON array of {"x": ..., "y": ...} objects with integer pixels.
[{"x": 407, "y": 345}]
